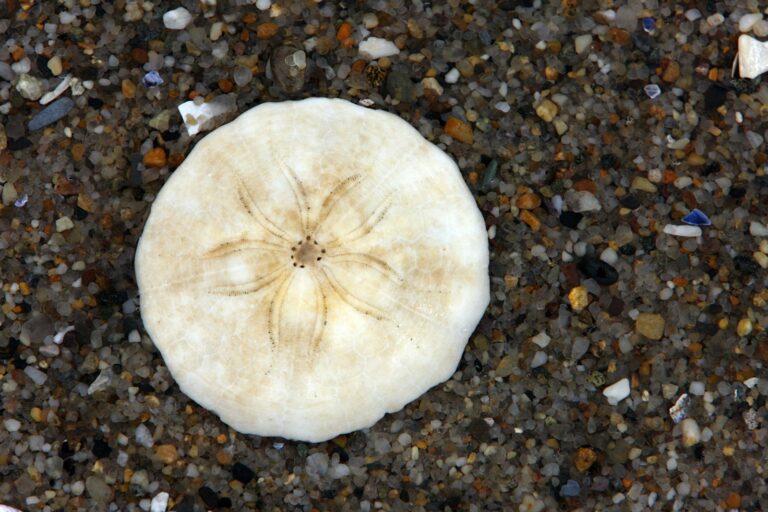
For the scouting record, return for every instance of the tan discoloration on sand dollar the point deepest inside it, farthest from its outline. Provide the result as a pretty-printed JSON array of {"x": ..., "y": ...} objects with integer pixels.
[{"x": 312, "y": 266}]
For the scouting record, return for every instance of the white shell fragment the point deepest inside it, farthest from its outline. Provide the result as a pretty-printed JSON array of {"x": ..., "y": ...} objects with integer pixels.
[
  {"x": 753, "y": 57},
  {"x": 617, "y": 392},
  {"x": 376, "y": 47},
  {"x": 682, "y": 230},
  {"x": 312, "y": 266},
  {"x": 205, "y": 116}
]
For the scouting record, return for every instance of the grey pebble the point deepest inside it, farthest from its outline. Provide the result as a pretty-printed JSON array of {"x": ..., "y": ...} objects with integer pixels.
[{"x": 51, "y": 113}]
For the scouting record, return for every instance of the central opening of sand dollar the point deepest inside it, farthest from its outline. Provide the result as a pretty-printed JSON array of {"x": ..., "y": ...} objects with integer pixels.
[{"x": 306, "y": 253}]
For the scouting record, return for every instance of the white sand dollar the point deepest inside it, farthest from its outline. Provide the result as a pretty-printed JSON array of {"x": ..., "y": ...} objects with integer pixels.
[{"x": 310, "y": 267}]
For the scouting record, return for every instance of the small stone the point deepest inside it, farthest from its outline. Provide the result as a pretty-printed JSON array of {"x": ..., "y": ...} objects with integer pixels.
[
  {"x": 547, "y": 110},
  {"x": 506, "y": 366},
  {"x": 542, "y": 339},
  {"x": 128, "y": 88},
  {"x": 98, "y": 489},
  {"x": 35, "y": 375},
  {"x": 54, "y": 65},
  {"x": 459, "y": 130},
  {"x": 531, "y": 220},
  {"x": 144, "y": 436},
  {"x": 155, "y": 158},
  {"x": 644, "y": 184},
  {"x": 582, "y": 201},
  {"x": 650, "y": 325},
  {"x": 697, "y": 218},
  {"x": 691, "y": 432},
  {"x": 744, "y": 327},
  {"x": 579, "y": 298},
  {"x": 64, "y": 224},
  {"x": 528, "y": 201},
  {"x": 617, "y": 391},
  {"x": 159, "y": 503},
  {"x": 452, "y": 76},
  {"x": 12, "y": 425},
  {"x": 3, "y": 138},
  {"x": 539, "y": 359},
  {"x": 684, "y": 231},
  {"x": 400, "y": 87},
  {"x": 376, "y": 47},
  {"x": 609, "y": 256},
  {"x": 9, "y": 194},
  {"x": 757, "y": 229},
  {"x": 571, "y": 219},
  {"x": 370, "y": 20},
  {"x": 50, "y": 114},
  {"x": 594, "y": 268},
  {"x": 285, "y": 70},
  {"x": 584, "y": 459},
  {"x": 582, "y": 42},
  {"x": 242, "y": 473},
  {"x": 166, "y": 453},
  {"x": 570, "y": 489},
  {"x": 177, "y": 19},
  {"x": 29, "y": 87},
  {"x": 747, "y": 21},
  {"x": 761, "y": 258},
  {"x": 267, "y": 30},
  {"x": 671, "y": 72},
  {"x": 679, "y": 411}
]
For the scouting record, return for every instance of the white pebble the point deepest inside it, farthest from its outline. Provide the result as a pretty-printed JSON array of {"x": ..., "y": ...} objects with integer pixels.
[
  {"x": 144, "y": 436},
  {"x": 177, "y": 19},
  {"x": 617, "y": 392},
  {"x": 686, "y": 231},
  {"x": 609, "y": 256},
  {"x": 376, "y": 47},
  {"x": 582, "y": 42},
  {"x": 263, "y": 5},
  {"x": 747, "y": 21},
  {"x": 159, "y": 502},
  {"x": 452, "y": 76},
  {"x": 77, "y": 488},
  {"x": 64, "y": 224},
  {"x": 539, "y": 359},
  {"x": 757, "y": 229},
  {"x": 12, "y": 425},
  {"x": 582, "y": 201},
  {"x": 691, "y": 432},
  {"x": 696, "y": 388},
  {"x": 542, "y": 339},
  {"x": 715, "y": 20}
]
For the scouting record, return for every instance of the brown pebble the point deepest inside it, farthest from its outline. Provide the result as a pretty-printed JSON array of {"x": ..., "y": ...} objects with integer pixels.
[
  {"x": 585, "y": 186},
  {"x": 224, "y": 457},
  {"x": 267, "y": 30},
  {"x": 155, "y": 157},
  {"x": 166, "y": 453},
  {"x": 584, "y": 459},
  {"x": 671, "y": 72},
  {"x": 459, "y": 130},
  {"x": 85, "y": 202},
  {"x": 128, "y": 88},
  {"x": 225, "y": 85},
  {"x": 528, "y": 201},
  {"x": 533, "y": 222},
  {"x": 78, "y": 151},
  {"x": 139, "y": 56}
]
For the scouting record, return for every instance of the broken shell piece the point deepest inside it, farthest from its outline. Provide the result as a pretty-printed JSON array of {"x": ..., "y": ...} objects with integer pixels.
[
  {"x": 207, "y": 115},
  {"x": 753, "y": 57},
  {"x": 312, "y": 266},
  {"x": 679, "y": 411}
]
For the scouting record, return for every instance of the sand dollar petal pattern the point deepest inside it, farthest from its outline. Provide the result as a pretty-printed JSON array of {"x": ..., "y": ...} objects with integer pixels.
[{"x": 312, "y": 266}]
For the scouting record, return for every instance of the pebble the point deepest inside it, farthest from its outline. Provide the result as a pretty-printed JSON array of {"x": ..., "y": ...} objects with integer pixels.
[
  {"x": 400, "y": 87},
  {"x": 690, "y": 431},
  {"x": 54, "y": 65},
  {"x": 650, "y": 325},
  {"x": 744, "y": 327},
  {"x": 652, "y": 90},
  {"x": 3, "y": 138},
  {"x": 547, "y": 110},
  {"x": 144, "y": 436},
  {"x": 679, "y": 411},
  {"x": 683, "y": 231},
  {"x": 285, "y": 65},
  {"x": 64, "y": 224},
  {"x": 585, "y": 457},
  {"x": 177, "y": 19},
  {"x": 578, "y": 297},
  {"x": 166, "y": 453},
  {"x": 159, "y": 503},
  {"x": 757, "y": 229},
  {"x": 697, "y": 218},
  {"x": 697, "y": 388},
  {"x": 50, "y": 114},
  {"x": 539, "y": 359},
  {"x": 542, "y": 339},
  {"x": 582, "y": 42},
  {"x": 9, "y": 194},
  {"x": 98, "y": 489},
  {"x": 506, "y": 366},
  {"x": 452, "y": 76},
  {"x": 29, "y": 87},
  {"x": 376, "y": 48},
  {"x": 617, "y": 391},
  {"x": 747, "y": 21},
  {"x": 35, "y": 375},
  {"x": 570, "y": 489},
  {"x": 609, "y": 256},
  {"x": 207, "y": 115},
  {"x": 571, "y": 219},
  {"x": 12, "y": 425},
  {"x": 582, "y": 201},
  {"x": 593, "y": 268},
  {"x": 459, "y": 130}
]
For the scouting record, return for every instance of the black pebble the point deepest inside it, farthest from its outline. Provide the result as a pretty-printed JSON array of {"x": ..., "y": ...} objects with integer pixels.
[
  {"x": 95, "y": 102},
  {"x": 627, "y": 250},
  {"x": 629, "y": 201},
  {"x": 209, "y": 497},
  {"x": 479, "y": 430},
  {"x": 714, "y": 97},
  {"x": 571, "y": 219},
  {"x": 100, "y": 448},
  {"x": 737, "y": 192},
  {"x": 225, "y": 502},
  {"x": 744, "y": 265},
  {"x": 603, "y": 273},
  {"x": 19, "y": 144},
  {"x": 242, "y": 473},
  {"x": 78, "y": 213}
]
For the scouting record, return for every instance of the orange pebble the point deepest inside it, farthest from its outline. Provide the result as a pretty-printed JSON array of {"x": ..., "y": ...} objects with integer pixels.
[
  {"x": 345, "y": 30},
  {"x": 459, "y": 130},
  {"x": 267, "y": 30},
  {"x": 155, "y": 157}
]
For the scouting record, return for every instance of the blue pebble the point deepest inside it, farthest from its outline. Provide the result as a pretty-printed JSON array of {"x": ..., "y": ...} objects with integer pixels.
[
  {"x": 570, "y": 489},
  {"x": 697, "y": 218},
  {"x": 152, "y": 78},
  {"x": 51, "y": 114},
  {"x": 649, "y": 24}
]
